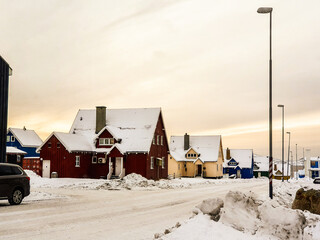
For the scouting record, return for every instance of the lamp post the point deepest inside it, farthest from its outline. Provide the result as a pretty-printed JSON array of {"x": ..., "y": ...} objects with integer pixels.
[
  {"x": 289, "y": 133},
  {"x": 282, "y": 106},
  {"x": 264, "y": 10}
]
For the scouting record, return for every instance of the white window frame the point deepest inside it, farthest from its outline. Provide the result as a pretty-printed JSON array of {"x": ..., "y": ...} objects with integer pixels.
[
  {"x": 151, "y": 162},
  {"x": 18, "y": 158},
  {"x": 161, "y": 140},
  {"x": 94, "y": 161},
  {"x": 162, "y": 163},
  {"x": 77, "y": 161},
  {"x": 13, "y": 138},
  {"x": 106, "y": 141},
  {"x": 8, "y": 138},
  {"x": 154, "y": 140},
  {"x": 158, "y": 140}
]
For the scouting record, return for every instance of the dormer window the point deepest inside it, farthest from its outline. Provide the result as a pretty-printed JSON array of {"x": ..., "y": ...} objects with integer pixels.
[
  {"x": 8, "y": 138},
  {"x": 192, "y": 155},
  {"x": 106, "y": 141},
  {"x": 12, "y": 139}
]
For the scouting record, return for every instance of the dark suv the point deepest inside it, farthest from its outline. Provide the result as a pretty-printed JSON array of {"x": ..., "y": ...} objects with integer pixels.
[{"x": 14, "y": 183}]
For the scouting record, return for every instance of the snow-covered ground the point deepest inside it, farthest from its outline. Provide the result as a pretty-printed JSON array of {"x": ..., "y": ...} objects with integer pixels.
[
  {"x": 144, "y": 209},
  {"x": 250, "y": 216}
]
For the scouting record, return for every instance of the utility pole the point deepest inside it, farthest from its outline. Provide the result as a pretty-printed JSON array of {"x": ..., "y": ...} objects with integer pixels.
[{"x": 296, "y": 161}]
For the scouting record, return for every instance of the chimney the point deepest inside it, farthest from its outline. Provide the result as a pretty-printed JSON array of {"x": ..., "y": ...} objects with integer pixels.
[
  {"x": 100, "y": 118},
  {"x": 228, "y": 157},
  {"x": 186, "y": 141}
]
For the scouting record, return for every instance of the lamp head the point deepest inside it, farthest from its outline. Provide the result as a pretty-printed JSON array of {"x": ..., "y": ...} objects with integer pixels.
[
  {"x": 288, "y": 132},
  {"x": 264, "y": 10},
  {"x": 281, "y": 105}
]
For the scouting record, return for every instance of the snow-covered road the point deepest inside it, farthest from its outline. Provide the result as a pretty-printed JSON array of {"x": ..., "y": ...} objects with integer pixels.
[{"x": 93, "y": 214}]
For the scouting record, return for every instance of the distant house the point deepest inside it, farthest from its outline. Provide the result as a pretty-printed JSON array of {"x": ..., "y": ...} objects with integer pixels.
[
  {"x": 28, "y": 141},
  {"x": 192, "y": 156},
  {"x": 277, "y": 170},
  {"x": 109, "y": 143},
  {"x": 238, "y": 162},
  {"x": 14, "y": 155},
  {"x": 261, "y": 166},
  {"x": 314, "y": 169},
  {"x": 25, "y": 140}
]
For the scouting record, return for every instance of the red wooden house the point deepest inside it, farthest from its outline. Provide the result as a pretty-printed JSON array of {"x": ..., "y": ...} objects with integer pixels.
[{"x": 109, "y": 142}]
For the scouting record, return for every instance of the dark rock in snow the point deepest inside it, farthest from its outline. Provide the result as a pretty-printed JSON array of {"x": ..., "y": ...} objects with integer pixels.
[{"x": 307, "y": 200}]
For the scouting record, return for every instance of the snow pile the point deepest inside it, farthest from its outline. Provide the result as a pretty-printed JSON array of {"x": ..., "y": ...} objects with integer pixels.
[
  {"x": 136, "y": 181},
  {"x": 262, "y": 218},
  {"x": 212, "y": 207},
  {"x": 246, "y": 216}
]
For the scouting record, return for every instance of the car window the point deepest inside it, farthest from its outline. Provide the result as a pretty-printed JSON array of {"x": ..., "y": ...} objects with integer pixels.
[
  {"x": 5, "y": 170},
  {"x": 8, "y": 170},
  {"x": 16, "y": 171}
]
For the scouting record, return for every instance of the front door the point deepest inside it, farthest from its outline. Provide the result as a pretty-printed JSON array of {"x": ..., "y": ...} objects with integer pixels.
[
  {"x": 238, "y": 173},
  {"x": 199, "y": 170},
  {"x": 46, "y": 168},
  {"x": 118, "y": 166}
]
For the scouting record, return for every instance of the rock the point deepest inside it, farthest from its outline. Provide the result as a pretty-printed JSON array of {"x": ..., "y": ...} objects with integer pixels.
[
  {"x": 307, "y": 200},
  {"x": 212, "y": 207}
]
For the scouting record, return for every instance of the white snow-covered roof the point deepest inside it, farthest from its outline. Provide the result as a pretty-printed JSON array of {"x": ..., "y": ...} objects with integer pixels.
[
  {"x": 262, "y": 162},
  {"x": 314, "y": 158},
  {"x": 135, "y": 127},
  {"x": 207, "y": 146},
  {"x": 27, "y": 138},
  {"x": 14, "y": 150},
  {"x": 242, "y": 156}
]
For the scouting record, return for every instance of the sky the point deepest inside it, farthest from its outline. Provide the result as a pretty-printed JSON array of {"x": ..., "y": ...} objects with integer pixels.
[{"x": 204, "y": 62}]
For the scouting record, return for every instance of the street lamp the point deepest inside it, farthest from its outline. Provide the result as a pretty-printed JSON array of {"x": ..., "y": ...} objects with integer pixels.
[
  {"x": 264, "y": 10},
  {"x": 289, "y": 133},
  {"x": 282, "y": 106}
]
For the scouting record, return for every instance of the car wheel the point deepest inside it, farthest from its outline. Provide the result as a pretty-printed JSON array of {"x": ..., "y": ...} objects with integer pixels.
[{"x": 16, "y": 197}]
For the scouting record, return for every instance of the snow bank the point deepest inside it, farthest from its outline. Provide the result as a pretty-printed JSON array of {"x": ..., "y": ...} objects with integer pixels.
[{"x": 246, "y": 216}]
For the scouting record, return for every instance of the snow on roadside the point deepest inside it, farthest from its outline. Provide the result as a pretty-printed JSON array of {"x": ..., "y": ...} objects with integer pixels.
[{"x": 248, "y": 216}]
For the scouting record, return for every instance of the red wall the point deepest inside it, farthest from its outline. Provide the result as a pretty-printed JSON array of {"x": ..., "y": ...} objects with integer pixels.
[
  {"x": 63, "y": 162},
  {"x": 158, "y": 151}
]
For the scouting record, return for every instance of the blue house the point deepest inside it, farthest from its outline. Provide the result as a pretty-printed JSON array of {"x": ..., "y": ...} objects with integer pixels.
[
  {"x": 25, "y": 140},
  {"x": 314, "y": 167},
  {"x": 238, "y": 163}
]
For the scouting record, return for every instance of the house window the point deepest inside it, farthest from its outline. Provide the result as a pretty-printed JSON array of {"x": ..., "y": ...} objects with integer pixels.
[
  {"x": 161, "y": 140},
  {"x": 151, "y": 163},
  {"x": 18, "y": 158},
  {"x": 162, "y": 162},
  {"x": 8, "y": 138},
  {"x": 178, "y": 166},
  {"x": 158, "y": 139},
  {"x": 12, "y": 139},
  {"x": 154, "y": 140},
  {"x": 217, "y": 167},
  {"x": 49, "y": 144},
  {"x": 94, "y": 159},
  {"x": 106, "y": 141},
  {"x": 58, "y": 145},
  {"x": 313, "y": 164},
  {"x": 77, "y": 161}
]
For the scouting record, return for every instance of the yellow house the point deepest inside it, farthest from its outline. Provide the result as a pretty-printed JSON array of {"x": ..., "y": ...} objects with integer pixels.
[{"x": 192, "y": 156}]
